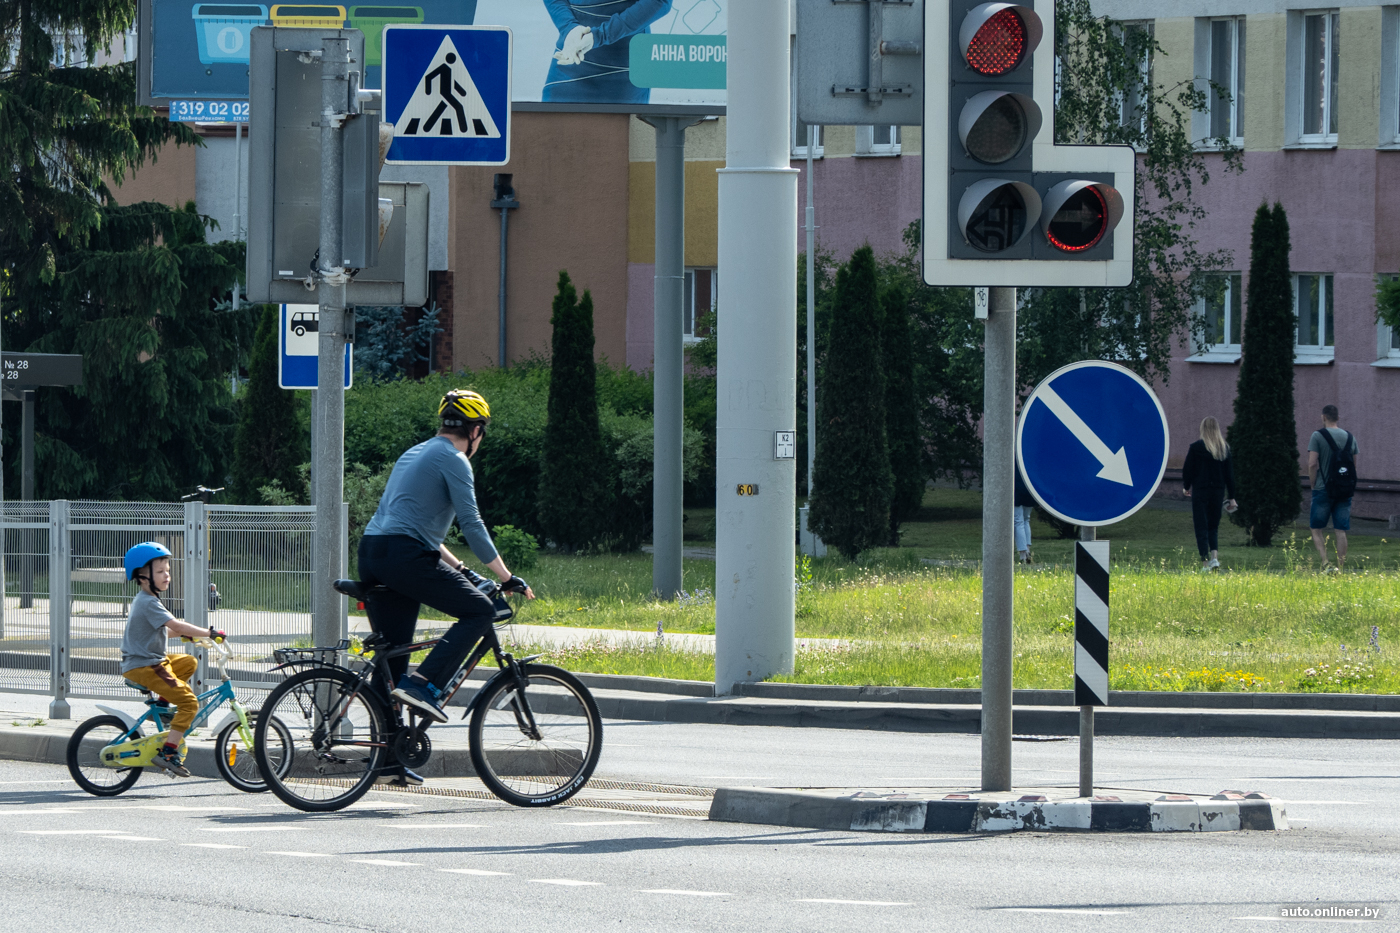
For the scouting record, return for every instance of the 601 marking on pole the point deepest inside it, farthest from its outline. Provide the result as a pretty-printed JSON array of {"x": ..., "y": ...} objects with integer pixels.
[{"x": 1091, "y": 623}]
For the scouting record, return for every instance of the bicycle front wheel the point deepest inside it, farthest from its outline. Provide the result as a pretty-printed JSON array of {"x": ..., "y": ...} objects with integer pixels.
[
  {"x": 335, "y": 737},
  {"x": 536, "y": 746},
  {"x": 238, "y": 762}
]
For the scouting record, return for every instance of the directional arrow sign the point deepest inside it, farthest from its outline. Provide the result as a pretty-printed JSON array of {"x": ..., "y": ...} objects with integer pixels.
[{"x": 1092, "y": 443}]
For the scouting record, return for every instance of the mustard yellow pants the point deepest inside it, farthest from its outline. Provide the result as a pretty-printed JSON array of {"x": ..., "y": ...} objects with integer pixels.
[{"x": 168, "y": 680}]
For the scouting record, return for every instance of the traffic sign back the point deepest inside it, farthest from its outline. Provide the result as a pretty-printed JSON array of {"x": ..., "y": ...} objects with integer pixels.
[
  {"x": 1092, "y": 443},
  {"x": 447, "y": 94}
]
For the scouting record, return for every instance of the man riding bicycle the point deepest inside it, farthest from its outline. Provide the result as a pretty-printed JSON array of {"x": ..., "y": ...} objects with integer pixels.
[{"x": 402, "y": 549}]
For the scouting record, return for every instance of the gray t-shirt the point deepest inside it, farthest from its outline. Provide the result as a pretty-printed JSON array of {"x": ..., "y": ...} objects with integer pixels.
[
  {"x": 430, "y": 484},
  {"x": 1324, "y": 451},
  {"x": 144, "y": 641}
]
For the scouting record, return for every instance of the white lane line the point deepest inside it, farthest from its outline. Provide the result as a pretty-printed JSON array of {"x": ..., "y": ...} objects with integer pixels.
[
  {"x": 55, "y": 781},
  {"x": 1059, "y": 910},
  {"x": 689, "y": 893},
  {"x": 411, "y": 828},
  {"x": 250, "y": 829},
  {"x": 472, "y": 871},
  {"x": 834, "y": 900},
  {"x": 302, "y": 854},
  {"x": 71, "y": 832},
  {"x": 567, "y": 882},
  {"x": 176, "y": 808},
  {"x": 25, "y": 811},
  {"x": 134, "y": 838},
  {"x": 210, "y": 845},
  {"x": 608, "y": 823},
  {"x": 385, "y": 861}
]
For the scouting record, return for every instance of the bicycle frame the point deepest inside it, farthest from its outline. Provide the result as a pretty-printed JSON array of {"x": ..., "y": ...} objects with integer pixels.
[{"x": 209, "y": 700}]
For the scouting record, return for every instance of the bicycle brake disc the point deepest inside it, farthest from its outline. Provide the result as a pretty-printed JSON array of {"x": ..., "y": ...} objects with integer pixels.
[{"x": 412, "y": 746}]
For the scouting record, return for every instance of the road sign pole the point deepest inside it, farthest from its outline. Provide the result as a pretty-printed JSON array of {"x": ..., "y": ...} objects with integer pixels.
[
  {"x": 998, "y": 537},
  {"x": 1086, "y": 716},
  {"x": 332, "y": 332},
  {"x": 26, "y": 561}
]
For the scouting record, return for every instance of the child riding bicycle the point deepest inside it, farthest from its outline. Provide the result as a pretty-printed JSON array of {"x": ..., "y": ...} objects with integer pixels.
[{"x": 144, "y": 660}]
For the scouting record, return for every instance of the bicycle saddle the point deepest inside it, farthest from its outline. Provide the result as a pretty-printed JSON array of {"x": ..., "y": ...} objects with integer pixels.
[{"x": 357, "y": 590}]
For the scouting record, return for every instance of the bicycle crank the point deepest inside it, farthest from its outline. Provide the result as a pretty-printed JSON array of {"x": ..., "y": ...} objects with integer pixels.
[{"x": 412, "y": 747}]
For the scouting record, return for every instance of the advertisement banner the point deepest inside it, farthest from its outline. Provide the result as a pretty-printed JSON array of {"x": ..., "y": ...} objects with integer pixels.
[{"x": 614, "y": 55}]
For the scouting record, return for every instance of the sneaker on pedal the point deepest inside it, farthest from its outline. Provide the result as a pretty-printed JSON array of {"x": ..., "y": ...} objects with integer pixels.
[
  {"x": 400, "y": 777},
  {"x": 421, "y": 695},
  {"x": 171, "y": 761}
]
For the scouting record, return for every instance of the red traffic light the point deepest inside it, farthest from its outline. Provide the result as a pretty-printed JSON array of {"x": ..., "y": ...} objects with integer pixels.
[
  {"x": 996, "y": 38},
  {"x": 995, "y": 214},
  {"x": 1078, "y": 214}
]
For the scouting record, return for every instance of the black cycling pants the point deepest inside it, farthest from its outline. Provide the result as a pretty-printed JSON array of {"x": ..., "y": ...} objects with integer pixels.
[{"x": 418, "y": 576}]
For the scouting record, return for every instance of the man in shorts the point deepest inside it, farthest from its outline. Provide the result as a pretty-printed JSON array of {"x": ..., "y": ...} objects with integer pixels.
[{"x": 1324, "y": 507}]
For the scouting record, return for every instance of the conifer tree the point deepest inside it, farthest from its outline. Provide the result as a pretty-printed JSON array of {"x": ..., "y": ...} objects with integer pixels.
[
  {"x": 901, "y": 410},
  {"x": 852, "y": 483},
  {"x": 575, "y": 494},
  {"x": 270, "y": 443},
  {"x": 134, "y": 288},
  {"x": 1263, "y": 438}
]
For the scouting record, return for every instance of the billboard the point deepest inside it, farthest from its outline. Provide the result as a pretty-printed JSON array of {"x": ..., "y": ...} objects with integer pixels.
[{"x": 619, "y": 56}]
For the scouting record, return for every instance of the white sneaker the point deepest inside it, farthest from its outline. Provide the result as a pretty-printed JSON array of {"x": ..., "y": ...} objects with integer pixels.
[{"x": 1213, "y": 565}]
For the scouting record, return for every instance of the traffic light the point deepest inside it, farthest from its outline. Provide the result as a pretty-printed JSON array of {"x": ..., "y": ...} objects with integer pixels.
[{"x": 1004, "y": 205}]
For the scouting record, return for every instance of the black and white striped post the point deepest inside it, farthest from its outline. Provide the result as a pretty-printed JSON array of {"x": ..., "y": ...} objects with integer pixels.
[{"x": 1090, "y": 645}]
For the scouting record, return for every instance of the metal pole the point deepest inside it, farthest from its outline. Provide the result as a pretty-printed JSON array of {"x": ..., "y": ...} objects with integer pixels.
[
  {"x": 26, "y": 560},
  {"x": 668, "y": 358},
  {"x": 60, "y": 587},
  {"x": 755, "y": 541},
  {"x": 811, "y": 312},
  {"x": 998, "y": 540},
  {"x": 333, "y": 329},
  {"x": 1086, "y": 720},
  {"x": 501, "y": 293},
  {"x": 237, "y": 216}
]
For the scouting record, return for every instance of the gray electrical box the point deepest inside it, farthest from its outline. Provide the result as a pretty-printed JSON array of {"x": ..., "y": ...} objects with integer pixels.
[
  {"x": 860, "y": 62},
  {"x": 284, "y": 181}
]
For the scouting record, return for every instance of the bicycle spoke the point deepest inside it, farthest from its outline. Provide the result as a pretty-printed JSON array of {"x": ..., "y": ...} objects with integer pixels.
[
  {"x": 334, "y": 738},
  {"x": 541, "y": 746}
]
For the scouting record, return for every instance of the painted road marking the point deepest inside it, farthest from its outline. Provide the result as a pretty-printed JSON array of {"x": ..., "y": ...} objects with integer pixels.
[
  {"x": 689, "y": 893},
  {"x": 412, "y": 828},
  {"x": 303, "y": 854},
  {"x": 472, "y": 871},
  {"x": 25, "y": 811},
  {"x": 384, "y": 861},
  {"x": 55, "y": 781},
  {"x": 71, "y": 832},
  {"x": 567, "y": 882},
  {"x": 608, "y": 823},
  {"x": 210, "y": 845},
  {"x": 134, "y": 838},
  {"x": 832, "y": 900},
  {"x": 1059, "y": 910},
  {"x": 249, "y": 829}
]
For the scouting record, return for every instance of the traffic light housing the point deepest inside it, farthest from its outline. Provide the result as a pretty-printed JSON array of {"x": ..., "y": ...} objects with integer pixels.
[{"x": 1004, "y": 205}]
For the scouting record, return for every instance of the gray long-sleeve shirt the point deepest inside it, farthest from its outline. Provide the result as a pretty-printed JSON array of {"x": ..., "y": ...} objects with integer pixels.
[{"x": 430, "y": 484}]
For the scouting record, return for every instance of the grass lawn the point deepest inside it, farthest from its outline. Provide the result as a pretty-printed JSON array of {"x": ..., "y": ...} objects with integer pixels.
[{"x": 1268, "y": 623}]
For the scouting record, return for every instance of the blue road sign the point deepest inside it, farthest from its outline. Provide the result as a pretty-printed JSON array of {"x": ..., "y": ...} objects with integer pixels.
[
  {"x": 298, "y": 341},
  {"x": 447, "y": 94},
  {"x": 1092, "y": 443}
]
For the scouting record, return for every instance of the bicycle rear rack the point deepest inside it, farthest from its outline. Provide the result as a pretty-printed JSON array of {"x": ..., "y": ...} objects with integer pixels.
[{"x": 303, "y": 658}]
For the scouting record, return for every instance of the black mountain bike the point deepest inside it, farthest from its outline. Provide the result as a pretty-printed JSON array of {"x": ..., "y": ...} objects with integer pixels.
[{"x": 535, "y": 732}]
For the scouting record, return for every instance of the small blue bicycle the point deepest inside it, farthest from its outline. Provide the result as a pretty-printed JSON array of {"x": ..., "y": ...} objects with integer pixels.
[{"x": 107, "y": 753}]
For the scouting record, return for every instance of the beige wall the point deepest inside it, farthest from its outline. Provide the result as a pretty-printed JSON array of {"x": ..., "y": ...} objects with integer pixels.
[
  {"x": 1359, "y": 77},
  {"x": 168, "y": 179},
  {"x": 1264, "y": 76},
  {"x": 571, "y": 179}
]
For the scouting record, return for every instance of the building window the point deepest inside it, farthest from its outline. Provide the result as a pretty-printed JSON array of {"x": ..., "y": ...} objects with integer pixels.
[
  {"x": 1220, "y": 312},
  {"x": 1320, "y": 70},
  {"x": 1312, "y": 302},
  {"x": 1227, "y": 79},
  {"x": 877, "y": 140},
  {"x": 1132, "y": 103},
  {"x": 698, "y": 303},
  {"x": 1387, "y": 337},
  {"x": 799, "y": 129}
]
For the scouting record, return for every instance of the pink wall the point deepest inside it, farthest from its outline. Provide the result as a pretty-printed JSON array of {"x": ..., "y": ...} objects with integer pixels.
[
  {"x": 859, "y": 201},
  {"x": 641, "y": 318}
]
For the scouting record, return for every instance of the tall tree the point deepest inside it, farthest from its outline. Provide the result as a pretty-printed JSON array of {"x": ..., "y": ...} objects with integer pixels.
[
  {"x": 1264, "y": 438},
  {"x": 852, "y": 482},
  {"x": 575, "y": 493},
  {"x": 135, "y": 289},
  {"x": 270, "y": 443},
  {"x": 901, "y": 410}
]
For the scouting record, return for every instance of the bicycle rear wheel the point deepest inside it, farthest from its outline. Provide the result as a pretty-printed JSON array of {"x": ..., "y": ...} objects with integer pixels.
[
  {"x": 85, "y": 762},
  {"x": 539, "y": 764},
  {"x": 335, "y": 736}
]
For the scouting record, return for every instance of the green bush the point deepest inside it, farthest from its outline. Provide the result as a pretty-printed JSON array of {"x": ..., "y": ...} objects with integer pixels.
[{"x": 517, "y": 548}]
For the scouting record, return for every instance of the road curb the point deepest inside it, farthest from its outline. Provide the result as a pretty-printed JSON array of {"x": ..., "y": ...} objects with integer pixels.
[{"x": 865, "y": 811}]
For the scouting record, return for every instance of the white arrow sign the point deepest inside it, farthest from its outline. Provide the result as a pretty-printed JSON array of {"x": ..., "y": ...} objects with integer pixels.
[{"x": 1115, "y": 465}]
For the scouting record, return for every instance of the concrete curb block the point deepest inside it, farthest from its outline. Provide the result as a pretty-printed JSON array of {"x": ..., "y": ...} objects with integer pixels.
[{"x": 995, "y": 813}]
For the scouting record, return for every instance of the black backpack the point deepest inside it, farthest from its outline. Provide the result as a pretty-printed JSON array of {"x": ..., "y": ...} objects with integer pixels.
[{"x": 1340, "y": 481}]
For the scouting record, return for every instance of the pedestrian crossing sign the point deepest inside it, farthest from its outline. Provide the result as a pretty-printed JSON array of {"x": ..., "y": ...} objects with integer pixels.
[{"x": 447, "y": 94}]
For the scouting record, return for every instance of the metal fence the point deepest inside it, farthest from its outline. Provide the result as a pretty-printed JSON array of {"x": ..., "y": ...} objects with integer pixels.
[{"x": 243, "y": 569}]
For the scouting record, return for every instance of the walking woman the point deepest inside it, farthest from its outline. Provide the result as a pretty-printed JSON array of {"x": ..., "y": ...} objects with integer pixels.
[{"x": 1207, "y": 479}]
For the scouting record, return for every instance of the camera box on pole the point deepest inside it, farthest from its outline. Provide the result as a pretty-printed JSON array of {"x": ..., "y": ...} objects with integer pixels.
[{"x": 284, "y": 175}]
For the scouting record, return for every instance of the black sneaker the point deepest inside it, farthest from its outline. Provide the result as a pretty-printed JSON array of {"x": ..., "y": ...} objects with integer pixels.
[
  {"x": 171, "y": 761},
  {"x": 421, "y": 695},
  {"x": 400, "y": 777}
]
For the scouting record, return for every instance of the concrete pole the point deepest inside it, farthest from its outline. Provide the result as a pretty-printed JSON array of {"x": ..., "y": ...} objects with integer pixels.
[
  {"x": 329, "y": 413},
  {"x": 668, "y": 358},
  {"x": 237, "y": 217},
  {"x": 757, "y": 382},
  {"x": 1086, "y": 718},
  {"x": 998, "y": 540}
]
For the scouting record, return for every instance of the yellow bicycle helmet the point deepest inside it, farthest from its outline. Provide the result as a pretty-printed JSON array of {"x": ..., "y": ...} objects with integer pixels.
[{"x": 460, "y": 407}]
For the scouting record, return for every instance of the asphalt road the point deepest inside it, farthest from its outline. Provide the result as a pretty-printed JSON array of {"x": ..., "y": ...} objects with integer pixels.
[{"x": 195, "y": 855}]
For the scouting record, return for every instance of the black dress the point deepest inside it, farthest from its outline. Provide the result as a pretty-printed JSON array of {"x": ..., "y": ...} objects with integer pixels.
[{"x": 1210, "y": 482}]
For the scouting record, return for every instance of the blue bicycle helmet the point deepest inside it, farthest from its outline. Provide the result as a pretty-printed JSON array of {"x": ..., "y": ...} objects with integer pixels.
[{"x": 141, "y": 555}]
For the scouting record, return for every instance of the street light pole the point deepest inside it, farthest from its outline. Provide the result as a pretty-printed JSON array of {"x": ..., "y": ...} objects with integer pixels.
[
  {"x": 506, "y": 202},
  {"x": 998, "y": 493}
]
